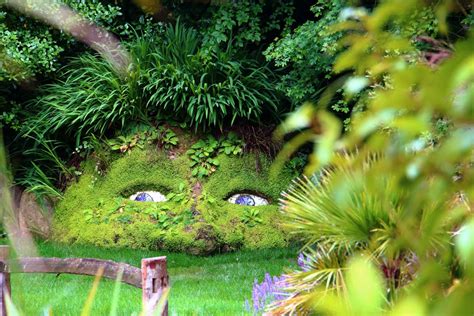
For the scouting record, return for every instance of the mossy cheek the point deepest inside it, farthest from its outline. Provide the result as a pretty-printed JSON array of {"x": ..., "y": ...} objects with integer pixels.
[{"x": 233, "y": 230}]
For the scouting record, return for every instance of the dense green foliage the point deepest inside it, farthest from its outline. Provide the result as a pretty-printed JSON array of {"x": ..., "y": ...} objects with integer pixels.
[
  {"x": 30, "y": 48},
  {"x": 92, "y": 98},
  {"x": 207, "y": 88},
  {"x": 168, "y": 78},
  {"x": 403, "y": 201},
  {"x": 245, "y": 23},
  {"x": 352, "y": 209},
  {"x": 308, "y": 52}
]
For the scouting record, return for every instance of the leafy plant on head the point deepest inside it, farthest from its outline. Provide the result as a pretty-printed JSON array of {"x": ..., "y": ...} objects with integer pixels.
[
  {"x": 202, "y": 155},
  {"x": 251, "y": 217},
  {"x": 167, "y": 138},
  {"x": 139, "y": 139},
  {"x": 231, "y": 145},
  {"x": 125, "y": 143},
  {"x": 207, "y": 89},
  {"x": 181, "y": 196}
]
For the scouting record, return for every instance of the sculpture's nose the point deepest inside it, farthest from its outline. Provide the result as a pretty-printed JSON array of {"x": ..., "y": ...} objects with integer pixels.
[{"x": 196, "y": 193}]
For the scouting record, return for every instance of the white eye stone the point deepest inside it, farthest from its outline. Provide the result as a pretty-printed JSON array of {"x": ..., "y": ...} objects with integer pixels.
[
  {"x": 148, "y": 196},
  {"x": 247, "y": 199}
]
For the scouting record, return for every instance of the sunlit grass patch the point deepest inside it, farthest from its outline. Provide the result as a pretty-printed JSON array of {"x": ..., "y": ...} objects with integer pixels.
[{"x": 215, "y": 285}]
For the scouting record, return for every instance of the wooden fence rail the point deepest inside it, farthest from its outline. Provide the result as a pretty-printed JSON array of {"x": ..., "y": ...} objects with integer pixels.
[{"x": 152, "y": 278}]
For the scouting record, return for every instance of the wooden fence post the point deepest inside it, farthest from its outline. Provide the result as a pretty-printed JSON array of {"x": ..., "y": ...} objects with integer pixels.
[
  {"x": 154, "y": 276},
  {"x": 154, "y": 283},
  {"x": 4, "y": 279}
]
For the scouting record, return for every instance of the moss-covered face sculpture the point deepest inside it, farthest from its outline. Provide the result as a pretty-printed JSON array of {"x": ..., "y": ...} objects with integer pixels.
[{"x": 149, "y": 200}]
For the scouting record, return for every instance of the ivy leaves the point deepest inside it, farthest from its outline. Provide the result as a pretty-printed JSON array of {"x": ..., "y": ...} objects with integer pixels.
[{"x": 203, "y": 154}]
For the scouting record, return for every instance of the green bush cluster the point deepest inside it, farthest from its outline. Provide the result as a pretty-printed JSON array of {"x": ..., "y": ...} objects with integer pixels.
[
  {"x": 90, "y": 99},
  {"x": 207, "y": 89},
  {"x": 31, "y": 48},
  {"x": 244, "y": 23},
  {"x": 167, "y": 78},
  {"x": 307, "y": 53}
]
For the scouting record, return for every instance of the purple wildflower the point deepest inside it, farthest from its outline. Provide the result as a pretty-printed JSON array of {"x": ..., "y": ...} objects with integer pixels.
[
  {"x": 247, "y": 305},
  {"x": 272, "y": 289},
  {"x": 304, "y": 262},
  {"x": 266, "y": 292}
]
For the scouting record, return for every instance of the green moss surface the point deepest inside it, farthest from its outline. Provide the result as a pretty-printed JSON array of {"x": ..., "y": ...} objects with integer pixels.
[{"x": 97, "y": 210}]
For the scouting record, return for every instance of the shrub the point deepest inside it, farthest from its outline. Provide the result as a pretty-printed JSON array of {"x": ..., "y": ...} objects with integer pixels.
[
  {"x": 32, "y": 48},
  {"x": 307, "y": 53},
  {"x": 207, "y": 90},
  {"x": 92, "y": 97},
  {"x": 168, "y": 77}
]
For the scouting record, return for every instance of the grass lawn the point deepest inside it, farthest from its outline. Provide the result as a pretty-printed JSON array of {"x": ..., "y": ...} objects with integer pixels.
[{"x": 216, "y": 285}]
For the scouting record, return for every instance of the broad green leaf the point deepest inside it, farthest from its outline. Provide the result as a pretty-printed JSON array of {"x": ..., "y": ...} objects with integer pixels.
[
  {"x": 365, "y": 287},
  {"x": 464, "y": 242},
  {"x": 299, "y": 119},
  {"x": 354, "y": 85},
  {"x": 410, "y": 305}
]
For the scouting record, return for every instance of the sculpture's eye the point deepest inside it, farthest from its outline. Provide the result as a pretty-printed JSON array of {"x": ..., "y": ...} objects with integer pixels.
[
  {"x": 148, "y": 196},
  {"x": 248, "y": 199}
]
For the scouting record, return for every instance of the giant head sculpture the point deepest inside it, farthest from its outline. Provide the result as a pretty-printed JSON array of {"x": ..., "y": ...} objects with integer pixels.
[{"x": 152, "y": 198}]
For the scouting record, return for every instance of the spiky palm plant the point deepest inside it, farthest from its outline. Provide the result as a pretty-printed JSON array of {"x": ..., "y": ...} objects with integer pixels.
[{"x": 354, "y": 208}]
